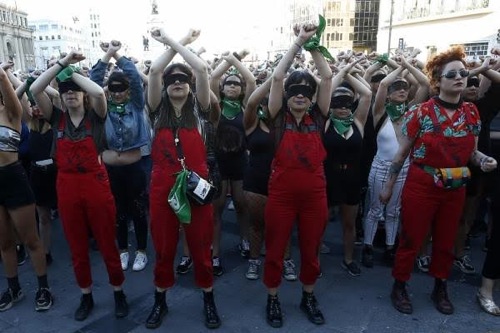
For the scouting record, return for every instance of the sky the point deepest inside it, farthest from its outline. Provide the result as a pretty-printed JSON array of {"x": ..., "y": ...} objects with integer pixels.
[{"x": 224, "y": 25}]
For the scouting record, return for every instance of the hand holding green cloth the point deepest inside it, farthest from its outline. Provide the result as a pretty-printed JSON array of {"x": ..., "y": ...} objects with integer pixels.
[
  {"x": 178, "y": 200},
  {"x": 65, "y": 74},
  {"x": 313, "y": 42}
]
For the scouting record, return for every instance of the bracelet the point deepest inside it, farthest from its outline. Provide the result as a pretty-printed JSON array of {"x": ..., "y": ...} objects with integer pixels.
[{"x": 60, "y": 64}]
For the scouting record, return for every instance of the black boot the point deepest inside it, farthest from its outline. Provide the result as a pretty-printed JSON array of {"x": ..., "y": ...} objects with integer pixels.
[
  {"x": 121, "y": 305},
  {"x": 367, "y": 256},
  {"x": 309, "y": 305},
  {"x": 273, "y": 311},
  {"x": 159, "y": 311},
  {"x": 212, "y": 319},
  {"x": 440, "y": 297},
  {"x": 390, "y": 256},
  {"x": 400, "y": 299},
  {"x": 86, "y": 306}
]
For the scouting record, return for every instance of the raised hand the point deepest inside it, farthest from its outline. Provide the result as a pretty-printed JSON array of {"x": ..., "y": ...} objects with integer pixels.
[
  {"x": 191, "y": 36},
  {"x": 114, "y": 46},
  {"x": 73, "y": 57}
]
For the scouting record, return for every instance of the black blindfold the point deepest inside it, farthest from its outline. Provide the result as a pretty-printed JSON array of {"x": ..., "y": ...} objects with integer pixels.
[
  {"x": 300, "y": 89},
  {"x": 473, "y": 81},
  {"x": 120, "y": 87},
  {"x": 67, "y": 86},
  {"x": 172, "y": 78},
  {"x": 377, "y": 78},
  {"x": 233, "y": 82},
  {"x": 342, "y": 101},
  {"x": 398, "y": 85}
]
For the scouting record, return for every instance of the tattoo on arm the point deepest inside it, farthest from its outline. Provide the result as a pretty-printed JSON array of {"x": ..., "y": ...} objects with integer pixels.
[{"x": 395, "y": 168}]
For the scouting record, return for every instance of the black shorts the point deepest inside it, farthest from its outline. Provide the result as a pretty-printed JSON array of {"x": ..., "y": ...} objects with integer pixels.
[
  {"x": 232, "y": 165},
  {"x": 15, "y": 190},
  {"x": 43, "y": 183},
  {"x": 256, "y": 181},
  {"x": 343, "y": 186}
]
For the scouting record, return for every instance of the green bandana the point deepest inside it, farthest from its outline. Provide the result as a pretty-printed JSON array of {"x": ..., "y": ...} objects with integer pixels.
[
  {"x": 230, "y": 109},
  {"x": 178, "y": 200},
  {"x": 117, "y": 107},
  {"x": 342, "y": 125},
  {"x": 383, "y": 58},
  {"x": 261, "y": 114},
  {"x": 313, "y": 42},
  {"x": 395, "y": 111},
  {"x": 66, "y": 73}
]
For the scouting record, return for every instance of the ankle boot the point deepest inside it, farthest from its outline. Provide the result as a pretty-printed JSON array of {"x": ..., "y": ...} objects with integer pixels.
[
  {"x": 400, "y": 299},
  {"x": 367, "y": 256},
  {"x": 121, "y": 305},
  {"x": 440, "y": 297},
  {"x": 212, "y": 319},
  {"x": 86, "y": 306},
  {"x": 159, "y": 310},
  {"x": 309, "y": 305},
  {"x": 273, "y": 311}
]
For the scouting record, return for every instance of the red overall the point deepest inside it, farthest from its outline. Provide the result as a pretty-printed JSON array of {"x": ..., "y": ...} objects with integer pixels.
[
  {"x": 164, "y": 222},
  {"x": 85, "y": 202},
  {"x": 297, "y": 192},
  {"x": 425, "y": 206}
]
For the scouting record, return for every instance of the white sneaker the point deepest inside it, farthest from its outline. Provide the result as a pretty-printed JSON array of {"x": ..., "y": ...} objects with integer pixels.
[
  {"x": 324, "y": 249},
  {"x": 140, "y": 261},
  {"x": 289, "y": 270},
  {"x": 124, "y": 258},
  {"x": 230, "y": 206}
]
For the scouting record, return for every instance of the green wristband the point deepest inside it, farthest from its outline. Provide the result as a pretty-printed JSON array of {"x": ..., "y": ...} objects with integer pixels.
[{"x": 66, "y": 73}]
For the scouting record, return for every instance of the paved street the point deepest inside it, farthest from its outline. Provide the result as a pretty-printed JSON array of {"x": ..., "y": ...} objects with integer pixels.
[{"x": 350, "y": 304}]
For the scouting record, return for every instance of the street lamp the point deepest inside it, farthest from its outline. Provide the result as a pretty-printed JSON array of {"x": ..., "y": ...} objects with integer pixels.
[{"x": 390, "y": 28}]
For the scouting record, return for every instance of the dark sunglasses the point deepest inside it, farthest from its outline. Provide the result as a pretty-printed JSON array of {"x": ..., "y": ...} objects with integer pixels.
[
  {"x": 234, "y": 83},
  {"x": 453, "y": 73},
  {"x": 117, "y": 88}
]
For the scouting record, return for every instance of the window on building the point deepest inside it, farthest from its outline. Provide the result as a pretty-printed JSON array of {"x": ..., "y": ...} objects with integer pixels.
[
  {"x": 352, "y": 22},
  {"x": 351, "y": 36},
  {"x": 46, "y": 37},
  {"x": 58, "y": 36},
  {"x": 54, "y": 26},
  {"x": 40, "y": 38},
  {"x": 52, "y": 37},
  {"x": 43, "y": 27},
  {"x": 476, "y": 49}
]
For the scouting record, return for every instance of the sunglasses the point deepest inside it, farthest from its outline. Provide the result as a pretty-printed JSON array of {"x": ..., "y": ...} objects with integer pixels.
[{"x": 453, "y": 73}]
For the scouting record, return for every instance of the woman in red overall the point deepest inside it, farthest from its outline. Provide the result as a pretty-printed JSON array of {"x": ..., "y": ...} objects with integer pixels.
[
  {"x": 176, "y": 108},
  {"x": 84, "y": 196},
  {"x": 297, "y": 185},
  {"x": 442, "y": 137}
]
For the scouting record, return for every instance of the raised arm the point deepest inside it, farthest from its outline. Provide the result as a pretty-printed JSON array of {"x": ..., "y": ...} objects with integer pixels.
[
  {"x": 278, "y": 77},
  {"x": 157, "y": 67},
  {"x": 325, "y": 85},
  {"x": 244, "y": 71},
  {"x": 378, "y": 108},
  {"x": 424, "y": 86},
  {"x": 11, "y": 102},
  {"x": 250, "y": 119},
  {"x": 365, "y": 99}
]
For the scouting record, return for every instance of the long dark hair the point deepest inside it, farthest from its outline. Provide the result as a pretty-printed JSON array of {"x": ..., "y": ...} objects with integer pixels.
[{"x": 166, "y": 115}]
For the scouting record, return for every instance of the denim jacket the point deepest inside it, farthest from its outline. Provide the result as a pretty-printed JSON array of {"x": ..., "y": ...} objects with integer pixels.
[{"x": 128, "y": 130}]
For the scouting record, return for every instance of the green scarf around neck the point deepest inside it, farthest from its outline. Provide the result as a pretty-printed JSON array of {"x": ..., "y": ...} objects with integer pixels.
[
  {"x": 230, "y": 109},
  {"x": 395, "y": 111},
  {"x": 342, "y": 125},
  {"x": 117, "y": 107}
]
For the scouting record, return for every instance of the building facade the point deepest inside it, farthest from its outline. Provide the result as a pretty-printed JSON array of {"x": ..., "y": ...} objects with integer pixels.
[
  {"x": 435, "y": 25},
  {"x": 53, "y": 37},
  {"x": 16, "y": 38}
]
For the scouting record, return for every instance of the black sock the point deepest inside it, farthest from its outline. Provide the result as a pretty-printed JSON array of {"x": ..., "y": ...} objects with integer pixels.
[
  {"x": 42, "y": 282},
  {"x": 13, "y": 283}
]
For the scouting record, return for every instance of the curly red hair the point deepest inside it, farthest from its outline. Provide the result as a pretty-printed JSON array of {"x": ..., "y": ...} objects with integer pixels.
[{"x": 434, "y": 67}]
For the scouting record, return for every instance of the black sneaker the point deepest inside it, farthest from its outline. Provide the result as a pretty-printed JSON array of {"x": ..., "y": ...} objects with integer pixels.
[
  {"x": 217, "y": 267},
  {"x": 351, "y": 268},
  {"x": 43, "y": 299},
  {"x": 185, "y": 265},
  {"x": 121, "y": 305},
  {"x": 367, "y": 256},
  {"x": 21, "y": 255},
  {"x": 465, "y": 265},
  {"x": 9, "y": 297}
]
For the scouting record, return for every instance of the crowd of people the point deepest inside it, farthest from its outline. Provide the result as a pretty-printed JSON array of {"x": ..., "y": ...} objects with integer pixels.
[{"x": 394, "y": 145}]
